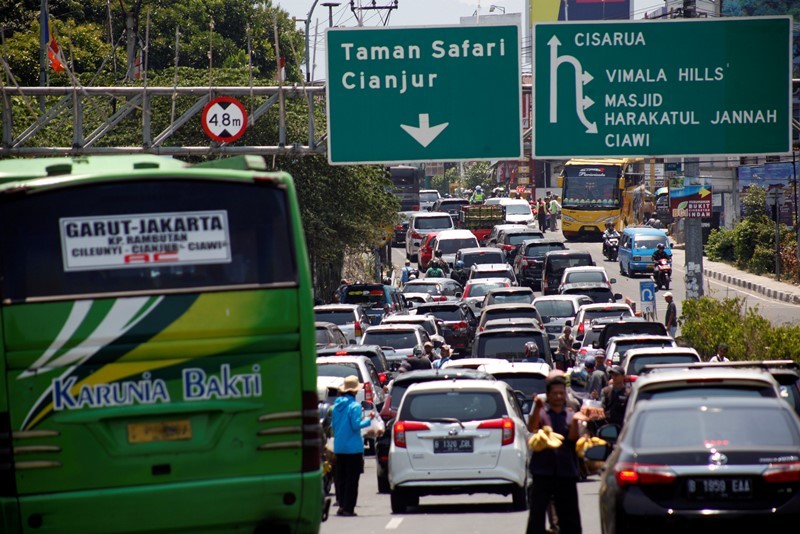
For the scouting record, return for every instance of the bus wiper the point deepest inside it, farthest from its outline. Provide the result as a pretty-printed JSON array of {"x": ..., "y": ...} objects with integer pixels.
[{"x": 447, "y": 420}]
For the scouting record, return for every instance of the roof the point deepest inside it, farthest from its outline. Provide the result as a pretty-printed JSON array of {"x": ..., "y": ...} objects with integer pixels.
[
  {"x": 510, "y": 290},
  {"x": 440, "y": 304},
  {"x": 510, "y": 322},
  {"x": 644, "y": 230},
  {"x": 571, "y": 298},
  {"x": 507, "y": 226},
  {"x": 604, "y": 305},
  {"x": 426, "y": 281},
  {"x": 720, "y": 402},
  {"x": 448, "y": 385},
  {"x": 342, "y": 359},
  {"x": 416, "y": 319},
  {"x": 510, "y": 306},
  {"x": 512, "y": 231},
  {"x": 569, "y": 252},
  {"x": 468, "y": 362},
  {"x": 326, "y": 307},
  {"x": 325, "y": 324},
  {"x": 516, "y": 367},
  {"x": 545, "y": 241},
  {"x": 586, "y": 268},
  {"x": 429, "y": 375},
  {"x": 659, "y": 350},
  {"x": 488, "y": 280},
  {"x": 511, "y": 330},
  {"x": 357, "y": 349},
  {"x": 427, "y": 214},
  {"x": 455, "y": 234},
  {"x": 490, "y": 267},
  {"x": 480, "y": 250},
  {"x": 391, "y": 327},
  {"x": 662, "y": 374}
]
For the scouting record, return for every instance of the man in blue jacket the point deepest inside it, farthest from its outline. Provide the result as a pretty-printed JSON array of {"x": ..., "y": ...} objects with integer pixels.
[{"x": 348, "y": 445}]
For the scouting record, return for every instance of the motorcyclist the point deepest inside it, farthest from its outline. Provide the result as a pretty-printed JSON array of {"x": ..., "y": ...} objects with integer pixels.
[
  {"x": 610, "y": 232},
  {"x": 660, "y": 253},
  {"x": 478, "y": 196},
  {"x": 437, "y": 260},
  {"x": 460, "y": 273}
]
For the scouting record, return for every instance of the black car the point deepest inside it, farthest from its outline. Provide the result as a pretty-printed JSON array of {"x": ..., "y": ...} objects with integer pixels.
[
  {"x": 530, "y": 258},
  {"x": 556, "y": 262},
  {"x": 598, "y": 292},
  {"x": 510, "y": 240},
  {"x": 401, "y": 228},
  {"x": 458, "y": 323},
  {"x": 509, "y": 344},
  {"x": 726, "y": 464},
  {"x": 397, "y": 390},
  {"x": 450, "y": 205}
]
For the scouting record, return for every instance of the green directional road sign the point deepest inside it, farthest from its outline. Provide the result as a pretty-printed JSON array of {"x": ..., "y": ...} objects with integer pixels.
[
  {"x": 424, "y": 94},
  {"x": 647, "y": 88}
]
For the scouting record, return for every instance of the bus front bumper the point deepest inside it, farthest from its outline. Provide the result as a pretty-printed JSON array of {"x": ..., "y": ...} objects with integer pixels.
[{"x": 276, "y": 503}]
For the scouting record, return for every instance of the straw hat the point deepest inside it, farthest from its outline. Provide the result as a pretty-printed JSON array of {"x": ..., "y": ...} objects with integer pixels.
[{"x": 350, "y": 385}]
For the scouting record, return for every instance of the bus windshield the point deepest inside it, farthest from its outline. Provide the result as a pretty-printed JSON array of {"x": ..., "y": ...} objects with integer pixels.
[{"x": 596, "y": 192}]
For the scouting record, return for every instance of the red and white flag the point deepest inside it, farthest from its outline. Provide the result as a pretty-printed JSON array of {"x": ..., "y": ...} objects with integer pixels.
[
  {"x": 53, "y": 50},
  {"x": 281, "y": 68}
]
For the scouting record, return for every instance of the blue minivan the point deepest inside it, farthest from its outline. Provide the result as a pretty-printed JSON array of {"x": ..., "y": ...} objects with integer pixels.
[{"x": 636, "y": 247}]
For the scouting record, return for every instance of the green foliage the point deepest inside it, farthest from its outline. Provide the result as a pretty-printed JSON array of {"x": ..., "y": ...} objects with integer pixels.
[
  {"x": 720, "y": 245},
  {"x": 750, "y": 232},
  {"x": 790, "y": 266},
  {"x": 754, "y": 202},
  {"x": 706, "y": 322},
  {"x": 763, "y": 260}
]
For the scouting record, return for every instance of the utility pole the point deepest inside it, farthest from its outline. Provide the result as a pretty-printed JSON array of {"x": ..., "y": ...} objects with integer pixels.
[{"x": 44, "y": 42}]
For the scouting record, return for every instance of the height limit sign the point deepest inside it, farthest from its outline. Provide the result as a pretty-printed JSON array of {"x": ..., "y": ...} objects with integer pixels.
[{"x": 224, "y": 119}]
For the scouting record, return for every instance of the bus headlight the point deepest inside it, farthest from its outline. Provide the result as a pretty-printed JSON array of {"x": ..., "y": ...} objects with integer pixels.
[{"x": 567, "y": 218}]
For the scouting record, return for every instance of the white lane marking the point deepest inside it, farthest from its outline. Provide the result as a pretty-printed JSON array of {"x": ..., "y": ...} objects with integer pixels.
[{"x": 394, "y": 523}]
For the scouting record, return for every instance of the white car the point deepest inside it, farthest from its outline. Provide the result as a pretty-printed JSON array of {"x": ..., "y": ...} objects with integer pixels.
[
  {"x": 528, "y": 377},
  {"x": 331, "y": 371},
  {"x": 458, "y": 437},
  {"x": 427, "y": 197},
  {"x": 618, "y": 346},
  {"x": 587, "y": 313},
  {"x": 635, "y": 359},
  {"x": 351, "y": 319},
  {"x": 448, "y": 242},
  {"x": 421, "y": 224},
  {"x": 470, "y": 363},
  {"x": 518, "y": 211},
  {"x": 402, "y": 338}
]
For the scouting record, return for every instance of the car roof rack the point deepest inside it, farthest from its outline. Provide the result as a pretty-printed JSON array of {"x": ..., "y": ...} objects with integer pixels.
[{"x": 747, "y": 364}]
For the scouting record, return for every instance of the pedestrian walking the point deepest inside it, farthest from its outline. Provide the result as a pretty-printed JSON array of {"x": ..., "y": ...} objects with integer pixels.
[
  {"x": 446, "y": 355},
  {"x": 671, "y": 317},
  {"x": 555, "y": 470},
  {"x": 405, "y": 273},
  {"x": 565, "y": 354},
  {"x": 348, "y": 445},
  {"x": 721, "y": 355},
  {"x": 615, "y": 396},
  {"x": 555, "y": 210},
  {"x": 597, "y": 378},
  {"x": 541, "y": 215}
]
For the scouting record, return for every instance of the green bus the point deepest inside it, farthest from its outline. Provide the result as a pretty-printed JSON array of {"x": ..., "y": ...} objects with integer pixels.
[{"x": 157, "y": 357}]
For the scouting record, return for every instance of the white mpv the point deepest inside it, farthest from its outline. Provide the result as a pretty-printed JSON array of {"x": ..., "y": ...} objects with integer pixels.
[{"x": 456, "y": 437}]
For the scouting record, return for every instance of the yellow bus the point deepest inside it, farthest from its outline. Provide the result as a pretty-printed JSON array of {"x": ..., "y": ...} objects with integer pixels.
[{"x": 597, "y": 191}]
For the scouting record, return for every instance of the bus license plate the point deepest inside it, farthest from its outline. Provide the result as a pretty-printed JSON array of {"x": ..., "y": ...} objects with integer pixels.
[
  {"x": 162, "y": 431},
  {"x": 452, "y": 445},
  {"x": 720, "y": 488}
]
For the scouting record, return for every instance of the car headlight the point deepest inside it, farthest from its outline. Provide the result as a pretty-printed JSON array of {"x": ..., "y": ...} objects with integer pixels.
[{"x": 637, "y": 258}]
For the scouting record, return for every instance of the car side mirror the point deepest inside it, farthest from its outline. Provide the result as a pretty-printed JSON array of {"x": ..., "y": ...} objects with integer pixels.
[
  {"x": 352, "y": 342},
  {"x": 598, "y": 453},
  {"x": 576, "y": 345},
  {"x": 568, "y": 322},
  {"x": 479, "y": 304},
  {"x": 409, "y": 304},
  {"x": 609, "y": 433},
  {"x": 459, "y": 294},
  {"x": 367, "y": 405},
  {"x": 613, "y": 280},
  {"x": 617, "y": 296},
  {"x": 545, "y": 318}
]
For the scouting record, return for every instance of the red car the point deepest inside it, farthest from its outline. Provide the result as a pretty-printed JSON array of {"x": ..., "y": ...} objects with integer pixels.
[{"x": 426, "y": 251}]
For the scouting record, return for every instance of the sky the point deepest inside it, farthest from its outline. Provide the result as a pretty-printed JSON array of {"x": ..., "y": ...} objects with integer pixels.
[{"x": 408, "y": 13}]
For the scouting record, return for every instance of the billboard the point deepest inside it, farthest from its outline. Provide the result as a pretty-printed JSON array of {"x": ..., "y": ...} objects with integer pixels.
[{"x": 552, "y": 10}]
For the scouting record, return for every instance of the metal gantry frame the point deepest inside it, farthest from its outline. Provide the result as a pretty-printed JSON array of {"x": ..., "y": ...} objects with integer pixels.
[{"x": 132, "y": 99}]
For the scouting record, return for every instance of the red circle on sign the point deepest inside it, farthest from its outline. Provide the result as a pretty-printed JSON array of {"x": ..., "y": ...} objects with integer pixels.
[{"x": 224, "y": 119}]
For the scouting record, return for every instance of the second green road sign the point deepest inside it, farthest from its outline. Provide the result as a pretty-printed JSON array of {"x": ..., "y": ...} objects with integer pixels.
[
  {"x": 424, "y": 94},
  {"x": 712, "y": 86}
]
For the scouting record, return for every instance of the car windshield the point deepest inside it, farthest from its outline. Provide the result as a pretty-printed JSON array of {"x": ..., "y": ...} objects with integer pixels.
[
  {"x": 337, "y": 317},
  {"x": 480, "y": 290},
  {"x": 445, "y": 314},
  {"x": 541, "y": 250},
  {"x": 453, "y": 206},
  {"x": 529, "y": 384},
  {"x": 451, "y": 246},
  {"x": 339, "y": 369},
  {"x": 518, "y": 209},
  {"x": 508, "y": 346},
  {"x": 420, "y": 287},
  {"x": 364, "y": 296},
  {"x": 493, "y": 274},
  {"x": 518, "y": 298},
  {"x": 482, "y": 258},
  {"x": 427, "y": 325},
  {"x": 396, "y": 340},
  {"x": 516, "y": 239},
  {"x": 555, "y": 308},
  {"x": 428, "y": 197},
  {"x": 711, "y": 390},
  {"x": 323, "y": 337},
  {"x": 636, "y": 365},
  {"x": 557, "y": 264},
  {"x": 590, "y": 315},
  {"x": 398, "y": 392},
  {"x": 510, "y": 313},
  {"x": 597, "y": 294},
  {"x": 433, "y": 223},
  {"x": 460, "y": 405},
  {"x": 644, "y": 242},
  {"x": 704, "y": 427},
  {"x": 589, "y": 276}
]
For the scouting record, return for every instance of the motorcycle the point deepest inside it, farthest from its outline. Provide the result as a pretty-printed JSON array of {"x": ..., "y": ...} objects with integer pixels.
[
  {"x": 611, "y": 250},
  {"x": 662, "y": 273}
]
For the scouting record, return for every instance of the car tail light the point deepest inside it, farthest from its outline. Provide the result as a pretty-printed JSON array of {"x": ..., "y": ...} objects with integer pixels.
[
  {"x": 382, "y": 378},
  {"x": 633, "y": 474},
  {"x": 340, "y": 353},
  {"x": 505, "y": 424},
  {"x": 398, "y": 227},
  {"x": 440, "y": 298},
  {"x": 368, "y": 392},
  {"x": 782, "y": 473},
  {"x": 582, "y": 328},
  {"x": 415, "y": 235},
  {"x": 508, "y": 247},
  {"x": 631, "y": 378},
  {"x": 400, "y": 429},
  {"x": 461, "y": 325},
  {"x": 357, "y": 327},
  {"x": 415, "y": 207}
]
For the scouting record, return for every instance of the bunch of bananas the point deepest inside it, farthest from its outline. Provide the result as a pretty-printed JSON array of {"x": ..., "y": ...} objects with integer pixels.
[
  {"x": 545, "y": 438},
  {"x": 584, "y": 443}
]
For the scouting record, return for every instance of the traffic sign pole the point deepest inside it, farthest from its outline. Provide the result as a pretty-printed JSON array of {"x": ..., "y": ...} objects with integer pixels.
[{"x": 647, "y": 299}]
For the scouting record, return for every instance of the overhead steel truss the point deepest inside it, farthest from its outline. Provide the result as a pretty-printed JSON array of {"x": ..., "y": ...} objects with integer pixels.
[{"x": 18, "y": 139}]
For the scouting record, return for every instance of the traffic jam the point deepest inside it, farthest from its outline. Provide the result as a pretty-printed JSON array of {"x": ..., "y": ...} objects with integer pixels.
[{"x": 501, "y": 361}]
